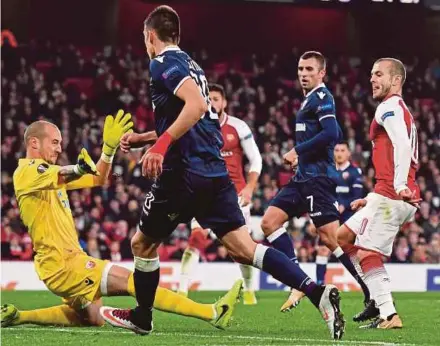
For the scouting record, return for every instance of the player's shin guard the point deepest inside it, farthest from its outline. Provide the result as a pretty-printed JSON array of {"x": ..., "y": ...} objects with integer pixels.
[
  {"x": 190, "y": 259},
  {"x": 281, "y": 241},
  {"x": 348, "y": 264},
  {"x": 146, "y": 280},
  {"x": 281, "y": 268},
  {"x": 321, "y": 269},
  {"x": 378, "y": 281}
]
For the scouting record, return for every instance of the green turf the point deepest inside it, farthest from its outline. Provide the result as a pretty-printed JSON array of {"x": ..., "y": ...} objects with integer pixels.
[{"x": 252, "y": 325}]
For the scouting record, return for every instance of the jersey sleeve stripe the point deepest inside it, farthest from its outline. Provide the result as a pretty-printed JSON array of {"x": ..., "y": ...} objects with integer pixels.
[
  {"x": 327, "y": 116},
  {"x": 180, "y": 84},
  {"x": 247, "y": 137}
]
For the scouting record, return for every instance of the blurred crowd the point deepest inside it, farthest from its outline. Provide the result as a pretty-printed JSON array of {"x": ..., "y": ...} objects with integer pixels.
[{"x": 75, "y": 88}]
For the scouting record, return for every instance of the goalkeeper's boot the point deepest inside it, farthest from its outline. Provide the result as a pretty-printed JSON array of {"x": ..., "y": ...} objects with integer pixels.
[
  {"x": 295, "y": 297},
  {"x": 10, "y": 315},
  {"x": 249, "y": 297},
  {"x": 330, "y": 311},
  {"x": 370, "y": 312},
  {"x": 224, "y": 307},
  {"x": 123, "y": 318},
  {"x": 391, "y": 322}
]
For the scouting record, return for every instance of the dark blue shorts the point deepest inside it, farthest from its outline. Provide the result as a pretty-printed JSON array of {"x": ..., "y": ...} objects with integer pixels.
[
  {"x": 177, "y": 197},
  {"x": 316, "y": 196}
]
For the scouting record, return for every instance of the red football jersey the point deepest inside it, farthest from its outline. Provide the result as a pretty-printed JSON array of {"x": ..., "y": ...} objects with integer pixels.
[
  {"x": 394, "y": 137},
  {"x": 234, "y": 131}
]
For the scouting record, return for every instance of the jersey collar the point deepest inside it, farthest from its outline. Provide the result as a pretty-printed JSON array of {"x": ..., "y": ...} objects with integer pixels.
[
  {"x": 344, "y": 166},
  {"x": 390, "y": 96},
  {"x": 322, "y": 85},
  {"x": 225, "y": 119},
  {"x": 169, "y": 49}
]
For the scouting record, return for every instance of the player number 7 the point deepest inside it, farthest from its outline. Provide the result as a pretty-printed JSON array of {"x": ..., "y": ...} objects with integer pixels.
[{"x": 311, "y": 202}]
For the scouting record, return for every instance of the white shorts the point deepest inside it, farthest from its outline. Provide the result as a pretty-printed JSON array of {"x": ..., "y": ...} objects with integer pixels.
[
  {"x": 377, "y": 224},
  {"x": 246, "y": 214}
]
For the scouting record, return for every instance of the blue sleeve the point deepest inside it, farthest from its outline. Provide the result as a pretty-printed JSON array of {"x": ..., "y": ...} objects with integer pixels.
[
  {"x": 357, "y": 186},
  {"x": 330, "y": 132},
  {"x": 169, "y": 72}
]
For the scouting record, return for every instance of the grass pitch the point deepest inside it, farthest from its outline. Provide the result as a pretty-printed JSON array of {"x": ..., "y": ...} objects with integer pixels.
[{"x": 262, "y": 324}]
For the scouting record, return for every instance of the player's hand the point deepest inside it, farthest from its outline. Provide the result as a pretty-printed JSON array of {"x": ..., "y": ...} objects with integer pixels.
[
  {"x": 114, "y": 129},
  {"x": 291, "y": 158},
  {"x": 410, "y": 197},
  {"x": 85, "y": 164},
  {"x": 245, "y": 196},
  {"x": 358, "y": 204},
  {"x": 151, "y": 164},
  {"x": 129, "y": 140}
]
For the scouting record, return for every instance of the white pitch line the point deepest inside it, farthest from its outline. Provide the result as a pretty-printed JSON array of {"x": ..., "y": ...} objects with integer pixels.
[{"x": 229, "y": 336}]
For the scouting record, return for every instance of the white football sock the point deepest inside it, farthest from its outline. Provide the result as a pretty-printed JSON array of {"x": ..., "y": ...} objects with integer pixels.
[
  {"x": 190, "y": 259},
  {"x": 378, "y": 282},
  {"x": 247, "y": 274}
]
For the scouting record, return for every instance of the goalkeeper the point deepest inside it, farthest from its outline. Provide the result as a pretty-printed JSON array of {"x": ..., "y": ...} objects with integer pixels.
[{"x": 67, "y": 271}]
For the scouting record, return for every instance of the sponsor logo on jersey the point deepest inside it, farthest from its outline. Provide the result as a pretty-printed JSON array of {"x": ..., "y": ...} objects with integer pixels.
[
  {"x": 316, "y": 214},
  {"x": 342, "y": 189},
  {"x": 300, "y": 127},
  {"x": 226, "y": 153},
  {"x": 42, "y": 168},
  {"x": 90, "y": 265}
]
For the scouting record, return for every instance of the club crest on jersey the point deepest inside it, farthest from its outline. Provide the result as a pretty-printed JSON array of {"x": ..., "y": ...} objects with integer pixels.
[
  {"x": 345, "y": 175},
  {"x": 321, "y": 94},
  {"x": 90, "y": 265},
  {"x": 42, "y": 168},
  {"x": 230, "y": 137}
]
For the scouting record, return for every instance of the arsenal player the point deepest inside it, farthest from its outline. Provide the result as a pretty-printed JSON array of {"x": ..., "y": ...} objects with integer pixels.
[
  {"x": 238, "y": 141},
  {"x": 396, "y": 196}
]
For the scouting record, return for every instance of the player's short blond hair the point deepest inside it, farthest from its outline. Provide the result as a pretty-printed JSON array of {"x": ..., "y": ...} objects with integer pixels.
[
  {"x": 397, "y": 67},
  {"x": 37, "y": 129}
]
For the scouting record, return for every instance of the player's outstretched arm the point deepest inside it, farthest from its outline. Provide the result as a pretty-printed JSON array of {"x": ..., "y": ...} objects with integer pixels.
[
  {"x": 137, "y": 140},
  {"x": 195, "y": 107},
  {"x": 84, "y": 165}
]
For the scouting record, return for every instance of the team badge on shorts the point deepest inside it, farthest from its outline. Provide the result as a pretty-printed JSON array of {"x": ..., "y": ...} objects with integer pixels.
[{"x": 90, "y": 265}]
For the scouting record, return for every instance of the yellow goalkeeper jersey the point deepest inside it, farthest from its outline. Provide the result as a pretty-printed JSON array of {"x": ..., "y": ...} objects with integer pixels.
[{"x": 45, "y": 211}]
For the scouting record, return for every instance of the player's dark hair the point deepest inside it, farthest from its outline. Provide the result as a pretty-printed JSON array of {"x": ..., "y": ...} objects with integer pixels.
[
  {"x": 165, "y": 21},
  {"x": 218, "y": 88},
  {"x": 397, "y": 67},
  {"x": 344, "y": 143},
  {"x": 317, "y": 55}
]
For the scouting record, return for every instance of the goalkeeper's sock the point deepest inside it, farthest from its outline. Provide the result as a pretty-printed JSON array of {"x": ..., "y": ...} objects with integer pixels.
[
  {"x": 321, "y": 269},
  {"x": 169, "y": 301},
  {"x": 60, "y": 315},
  {"x": 281, "y": 268},
  {"x": 190, "y": 259},
  {"x": 247, "y": 274},
  {"x": 281, "y": 241}
]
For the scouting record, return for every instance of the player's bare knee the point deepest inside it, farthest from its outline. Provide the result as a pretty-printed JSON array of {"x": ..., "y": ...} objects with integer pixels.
[
  {"x": 345, "y": 236},
  {"x": 323, "y": 251},
  {"x": 268, "y": 225}
]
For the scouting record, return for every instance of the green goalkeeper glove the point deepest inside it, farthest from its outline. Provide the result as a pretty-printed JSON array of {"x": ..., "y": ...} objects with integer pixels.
[
  {"x": 85, "y": 164},
  {"x": 114, "y": 129}
]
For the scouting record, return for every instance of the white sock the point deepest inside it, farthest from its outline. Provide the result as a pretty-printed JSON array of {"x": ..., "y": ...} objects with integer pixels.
[
  {"x": 338, "y": 252},
  {"x": 378, "y": 282},
  {"x": 247, "y": 274},
  {"x": 321, "y": 259},
  {"x": 190, "y": 259}
]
